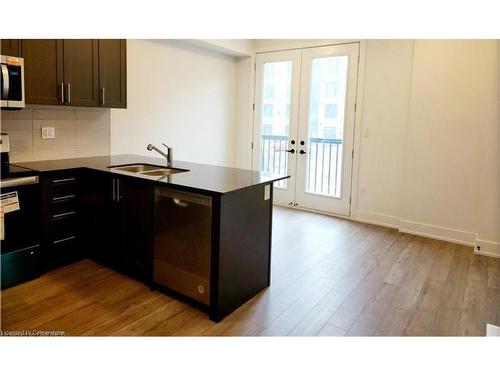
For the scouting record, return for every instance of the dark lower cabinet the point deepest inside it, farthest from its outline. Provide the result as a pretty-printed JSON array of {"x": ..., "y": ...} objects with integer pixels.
[
  {"x": 61, "y": 236},
  {"x": 122, "y": 232}
]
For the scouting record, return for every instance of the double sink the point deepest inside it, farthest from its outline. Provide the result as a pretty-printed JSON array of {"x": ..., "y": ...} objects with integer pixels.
[{"x": 148, "y": 169}]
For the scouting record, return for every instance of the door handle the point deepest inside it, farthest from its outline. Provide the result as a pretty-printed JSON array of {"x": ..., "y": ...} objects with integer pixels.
[
  {"x": 292, "y": 151},
  {"x": 302, "y": 152}
]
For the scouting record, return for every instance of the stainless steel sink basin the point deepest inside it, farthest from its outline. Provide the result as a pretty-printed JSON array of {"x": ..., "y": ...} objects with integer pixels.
[
  {"x": 136, "y": 168},
  {"x": 148, "y": 169},
  {"x": 164, "y": 172}
]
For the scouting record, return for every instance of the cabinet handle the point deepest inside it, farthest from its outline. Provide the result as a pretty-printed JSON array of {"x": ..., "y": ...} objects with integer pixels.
[
  {"x": 62, "y": 92},
  {"x": 118, "y": 190},
  {"x": 103, "y": 96},
  {"x": 113, "y": 194},
  {"x": 63, "y": 214},
  {"x": 55, "y": 199},
  {"x": 64, "y": 180},
  {"x": 64, "y": 240},
  {"x": 69, "y": 93}
]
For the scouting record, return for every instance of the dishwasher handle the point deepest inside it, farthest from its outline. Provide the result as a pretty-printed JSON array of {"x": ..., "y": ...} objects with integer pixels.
[
  {"x": 182, "y": 198},
  {"x": 180, "y": 203}
]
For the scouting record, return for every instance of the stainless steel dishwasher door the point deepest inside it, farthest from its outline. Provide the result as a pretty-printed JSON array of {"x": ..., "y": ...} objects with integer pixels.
[{"x": 182, "y": 243}]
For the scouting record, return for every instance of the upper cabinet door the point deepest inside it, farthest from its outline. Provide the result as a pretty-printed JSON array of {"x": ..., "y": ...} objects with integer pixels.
[
  {"x": 43, "y": 71},
  {"x": 112, "y": 73},
  {"x": 80, "y": 72},
  {"x": 11, "y": 47}
]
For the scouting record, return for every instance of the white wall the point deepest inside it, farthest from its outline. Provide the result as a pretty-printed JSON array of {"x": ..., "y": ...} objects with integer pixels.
[
  {"x": 452, "y": 107},
  {"x": 182, "y": 95},
  {"x": 386, "y": 94},
  {"x": 232, "y": 47}
]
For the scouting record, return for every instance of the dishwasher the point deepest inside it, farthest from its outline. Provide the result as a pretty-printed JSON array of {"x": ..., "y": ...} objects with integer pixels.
[{"x": 182, "y": 243}]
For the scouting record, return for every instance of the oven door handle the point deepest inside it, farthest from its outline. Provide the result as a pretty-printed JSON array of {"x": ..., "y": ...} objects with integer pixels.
[
  {"x": 20, "y": 181},
  {"x": 6, "y": 82}
]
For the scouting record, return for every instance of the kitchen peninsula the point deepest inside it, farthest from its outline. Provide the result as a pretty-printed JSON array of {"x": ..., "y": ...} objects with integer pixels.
[{"x": 199, "y": 232}]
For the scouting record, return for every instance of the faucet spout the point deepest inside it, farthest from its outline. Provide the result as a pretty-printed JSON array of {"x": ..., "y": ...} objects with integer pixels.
[{"x": 167, "y": 155}]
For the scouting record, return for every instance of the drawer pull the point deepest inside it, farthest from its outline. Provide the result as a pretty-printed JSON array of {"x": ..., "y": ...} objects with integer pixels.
[
  {"x": 64, "y": 214},
  {"x": 64, "y": 180},
  {"x": 55, "y": 199},
  {"x": 64, "y": 240}
]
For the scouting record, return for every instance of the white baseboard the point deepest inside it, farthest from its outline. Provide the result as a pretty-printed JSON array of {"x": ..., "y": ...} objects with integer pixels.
[
  {"x": 419, "y": 229},
  {"x": 377, "y": 219},
  {"x": 488, "y": 248},
  {"x": 439, "y": 233}
]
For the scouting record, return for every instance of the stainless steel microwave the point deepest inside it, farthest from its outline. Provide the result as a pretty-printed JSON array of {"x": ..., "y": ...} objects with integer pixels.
[{"x": 12, "y": 82}]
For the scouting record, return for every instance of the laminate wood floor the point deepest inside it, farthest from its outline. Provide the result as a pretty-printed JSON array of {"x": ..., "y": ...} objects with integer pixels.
[{"x": 330, "y": 277}]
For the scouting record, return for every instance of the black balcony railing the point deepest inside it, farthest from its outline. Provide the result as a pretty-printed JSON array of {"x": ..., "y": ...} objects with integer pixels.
[{"x": 324, "y": 160}]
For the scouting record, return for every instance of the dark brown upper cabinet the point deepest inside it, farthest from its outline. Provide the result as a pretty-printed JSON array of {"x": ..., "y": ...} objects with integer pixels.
[
  {"x": 112, "y": 73},
  {"x": 80, "y": 58},
  {"x": 43, "y": 70},
  {"x": 11, "y": 47},
  {"x": 70, "y": 72}
]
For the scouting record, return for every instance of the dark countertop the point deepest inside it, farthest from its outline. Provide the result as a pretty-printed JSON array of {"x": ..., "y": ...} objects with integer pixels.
[{"x": 205, "y": 177}]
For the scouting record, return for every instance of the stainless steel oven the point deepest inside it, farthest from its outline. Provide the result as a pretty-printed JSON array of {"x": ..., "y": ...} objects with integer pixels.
[
  {"x": 12, "y": 82},
  {"x": 20, "y": 230}
]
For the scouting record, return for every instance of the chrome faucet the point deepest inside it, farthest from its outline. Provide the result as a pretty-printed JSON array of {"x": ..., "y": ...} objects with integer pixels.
[{"x": 168, "y": 155}]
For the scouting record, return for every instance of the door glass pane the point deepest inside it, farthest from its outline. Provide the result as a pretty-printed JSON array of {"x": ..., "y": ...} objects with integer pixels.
[
  {"x": 275, "y": 119},
  {"x": 326, "y": 125}
]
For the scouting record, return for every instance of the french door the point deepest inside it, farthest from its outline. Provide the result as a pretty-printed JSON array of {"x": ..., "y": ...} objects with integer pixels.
[{"x": 304, "y": 124}]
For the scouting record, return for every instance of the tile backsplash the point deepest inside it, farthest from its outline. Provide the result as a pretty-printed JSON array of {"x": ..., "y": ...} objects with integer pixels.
[{"x": 79, "y": 132}]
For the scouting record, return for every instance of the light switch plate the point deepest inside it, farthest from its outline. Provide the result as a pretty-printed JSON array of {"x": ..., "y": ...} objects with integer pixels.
[{"x": 48, "y": 133}]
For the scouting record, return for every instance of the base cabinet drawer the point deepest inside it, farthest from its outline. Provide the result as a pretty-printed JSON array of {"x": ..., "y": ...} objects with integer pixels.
[
  {"x": 61, "y": 219},
  {"x": 20, "y": 266},
  {"x": 62, "y": 251}
]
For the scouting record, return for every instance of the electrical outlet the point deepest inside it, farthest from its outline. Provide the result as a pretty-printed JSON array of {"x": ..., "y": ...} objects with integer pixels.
[{"x": 48, "y": 133}]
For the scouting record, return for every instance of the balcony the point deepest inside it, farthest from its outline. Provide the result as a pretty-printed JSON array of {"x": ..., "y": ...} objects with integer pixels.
[{"x": 324, "y": 163}]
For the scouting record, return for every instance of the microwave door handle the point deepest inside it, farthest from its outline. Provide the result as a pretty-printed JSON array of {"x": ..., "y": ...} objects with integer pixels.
[{"x": 6, "y": 82}]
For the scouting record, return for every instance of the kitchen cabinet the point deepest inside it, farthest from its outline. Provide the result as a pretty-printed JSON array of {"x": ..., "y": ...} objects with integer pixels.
[
  {"x": 80, "y": 78},
  {"x": 60, "y": 219},
  {"x": 112, "y": 73},
  {"x": 43, "y": 70},
  {"x": 123, "y": 224},
  {"x": 76, "y": 72},
  {"x": 11, "y": 47}
]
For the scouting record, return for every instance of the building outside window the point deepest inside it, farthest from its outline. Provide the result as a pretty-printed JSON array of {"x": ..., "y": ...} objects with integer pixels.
[
  {"x": 330, "y": 111},
  {"x": 267, "y": 129},
  {"x": 268, "y": 110},
  {"x": 329, "y": 132},
  {"x": 268, "y": 91},
  {"x": 332, "y": 89}
]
